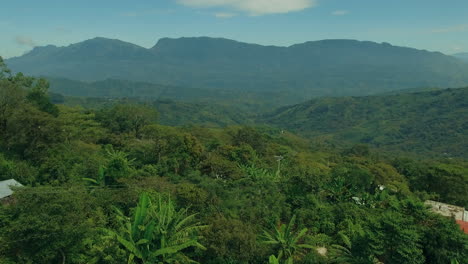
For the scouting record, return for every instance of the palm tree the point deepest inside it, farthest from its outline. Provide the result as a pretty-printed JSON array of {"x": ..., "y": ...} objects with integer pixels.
[
  {"x": 343, "y": 254},
  {"x": 287, "y": 242},
  {"x": 158, "y": 233}
]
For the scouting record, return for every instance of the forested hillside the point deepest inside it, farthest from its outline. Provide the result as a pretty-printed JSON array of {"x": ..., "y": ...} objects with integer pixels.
[
  {"x": 421, "y": 121},
  {"x": 115, "y": 89},
  {"x": 175, "y": 113},
  {"x": 311, "y": 69},
  {"x": 433, "y": 122},
  {"x": 111, "y": 185}
]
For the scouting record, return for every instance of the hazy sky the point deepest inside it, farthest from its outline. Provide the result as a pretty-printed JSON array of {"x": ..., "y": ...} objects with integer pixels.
[{"x": 436, "y": 25}]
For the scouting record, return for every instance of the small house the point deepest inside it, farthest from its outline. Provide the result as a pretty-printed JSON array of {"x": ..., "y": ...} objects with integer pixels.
[
  {"x": 6, "y": 190},
  {"x": 456, "y": 212}
]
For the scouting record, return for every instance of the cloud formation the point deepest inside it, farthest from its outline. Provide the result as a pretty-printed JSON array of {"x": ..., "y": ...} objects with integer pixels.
[
  {"x": 340, "y": 12},
  {"x": 253, "y": 7},
  {"x": 25, "y": 41}
]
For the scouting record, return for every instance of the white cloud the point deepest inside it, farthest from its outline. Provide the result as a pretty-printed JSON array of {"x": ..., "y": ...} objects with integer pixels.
[
  {"x": 224, "y": 15},
  {"x": 25, "y": 41},
  {"x": 340, "y": 12},
  {"x": 253, "y": 7},
  {"x": 457, "y": 28}
]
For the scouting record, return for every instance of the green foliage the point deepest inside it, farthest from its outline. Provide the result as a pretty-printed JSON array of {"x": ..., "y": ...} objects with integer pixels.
[
  {"x": 128, "y": 118},
  {"x": 38, "y": 96},
  {"x": 443, "y": 242},
  {"x": 395, "y": 240},
  {"x": 426, "y": 123},
  {"x": 448, "y": 180},
  {"x": 273, "y": 260},
  {"x": 350, "y": 206},
  {"x": 157, "y": 232},
  {"x": 47, "y": 225},
  {"x": 231, "y": 239},
  {"x": 287, "y": 242}
]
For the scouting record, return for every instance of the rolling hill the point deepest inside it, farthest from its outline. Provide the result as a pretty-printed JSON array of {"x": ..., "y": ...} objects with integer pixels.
[
  {"x": 433, "y": 122},
  {"x": 311, "y": 69},
  {"x": 114, "y": 89}
]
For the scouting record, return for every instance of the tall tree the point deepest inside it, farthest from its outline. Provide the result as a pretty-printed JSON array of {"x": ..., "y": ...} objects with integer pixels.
[{"x": 128, "y": 118}]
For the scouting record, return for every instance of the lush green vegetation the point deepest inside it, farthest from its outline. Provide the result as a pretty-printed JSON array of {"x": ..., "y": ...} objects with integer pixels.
[
  {"x": 423, "y": 121},
  {"x": 111, "y": 185},
  {"x": 174, "y": 113},
  {"x": 430, "y": 123},
  {"x": 115, "y": 89}
]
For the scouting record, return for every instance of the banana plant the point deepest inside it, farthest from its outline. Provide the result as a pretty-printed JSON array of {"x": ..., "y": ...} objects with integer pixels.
[
  {"x": 100, "y": 180},
  {"x": 287, "y": 242},
  {"x": 157, "y": 233},
  {"x": 273, "y": 260}
]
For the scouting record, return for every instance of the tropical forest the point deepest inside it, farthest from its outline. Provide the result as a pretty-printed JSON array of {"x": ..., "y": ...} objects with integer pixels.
[{"x": 214, "y": 151}]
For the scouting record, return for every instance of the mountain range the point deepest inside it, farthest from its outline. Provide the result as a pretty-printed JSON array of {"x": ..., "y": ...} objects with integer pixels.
[{"x": 311, "y": 69}]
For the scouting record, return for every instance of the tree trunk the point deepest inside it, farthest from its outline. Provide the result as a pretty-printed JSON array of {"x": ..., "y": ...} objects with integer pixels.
[{"x": 63, "y": 256}]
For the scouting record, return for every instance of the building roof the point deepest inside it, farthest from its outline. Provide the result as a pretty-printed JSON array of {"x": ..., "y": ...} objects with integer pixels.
[
  {"x": 448, "y": 210},
  {"x": 5, "y": 189},
  {"x": 463, "y": 226}
]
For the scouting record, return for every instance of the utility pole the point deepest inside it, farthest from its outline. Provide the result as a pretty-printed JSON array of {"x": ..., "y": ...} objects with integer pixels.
[{"x": 278, "y": 158}]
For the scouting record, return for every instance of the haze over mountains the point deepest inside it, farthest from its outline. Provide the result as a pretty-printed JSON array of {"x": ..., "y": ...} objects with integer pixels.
[
  {"x": 316, "y": 68},
  {"x": 462, "y": 56}
]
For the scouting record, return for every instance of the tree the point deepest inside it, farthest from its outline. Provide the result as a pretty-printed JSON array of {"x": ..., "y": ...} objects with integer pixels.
[
  {"x": 395, "y": 239},
  {"x": 157, "y": 232},
  {"x": 27, "y": 117},
  {"x": 47, "y": 225},
  {"x": 172, "y": 150},
  {"x": 232, "y": 239},
  {"x": 38, "y": 96},
  {"x": 128, "y": 118},
  {"x": 250, "y": 136},
  {"x": 11, "y": 95},
  {"x": 443, "y": 240},
  {"x": 118, "y": 166}
]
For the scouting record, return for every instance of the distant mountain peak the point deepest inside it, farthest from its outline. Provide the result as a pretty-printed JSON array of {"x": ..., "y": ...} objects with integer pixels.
[
  {"x": 41, "y": 50},
  {"x": 314, "y": 68},
  {"x": 188, "y": 44},
  {"x": 101, "y": 41},
  {"x": 201, "y": 39}
]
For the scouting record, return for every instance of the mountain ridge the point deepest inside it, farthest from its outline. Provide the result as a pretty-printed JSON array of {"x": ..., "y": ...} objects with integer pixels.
[{"x": 315, "y": 68}]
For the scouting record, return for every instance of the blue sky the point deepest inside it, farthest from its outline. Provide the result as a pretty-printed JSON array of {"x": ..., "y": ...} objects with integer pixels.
[{"x": 436, "y": 25}]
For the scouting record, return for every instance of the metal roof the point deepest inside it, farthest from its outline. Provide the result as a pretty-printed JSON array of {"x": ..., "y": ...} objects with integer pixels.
[{"x": 5, "y": 189}]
